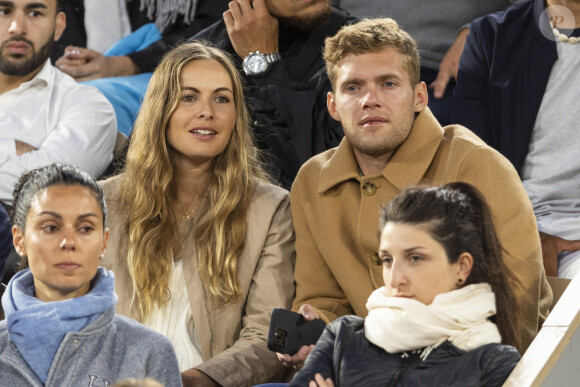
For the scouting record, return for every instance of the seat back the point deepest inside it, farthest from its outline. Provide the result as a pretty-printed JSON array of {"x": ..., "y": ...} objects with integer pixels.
[{"x": 553, "y": 358}]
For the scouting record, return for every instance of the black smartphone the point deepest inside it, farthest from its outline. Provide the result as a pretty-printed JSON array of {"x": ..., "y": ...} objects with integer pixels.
[{"x": 289, "y": 331}]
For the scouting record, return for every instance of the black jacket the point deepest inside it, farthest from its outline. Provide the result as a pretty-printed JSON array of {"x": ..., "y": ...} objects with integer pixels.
[
  {"x": 291, "y": 121},
  {"x": 345, "y": 355}
]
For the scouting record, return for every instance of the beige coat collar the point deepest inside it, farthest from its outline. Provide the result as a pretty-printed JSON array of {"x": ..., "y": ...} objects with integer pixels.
[{"x": 404, "y": 169}]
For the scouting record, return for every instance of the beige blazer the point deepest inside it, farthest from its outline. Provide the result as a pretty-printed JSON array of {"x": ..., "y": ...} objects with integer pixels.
[{"x": 232, "y": 337}]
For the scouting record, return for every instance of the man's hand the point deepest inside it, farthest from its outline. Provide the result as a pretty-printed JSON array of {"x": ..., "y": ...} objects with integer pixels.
[
  {"x": 319, "y": 381},
  {"x": 449, "y": 65},
  {"x": 84, "y": 64},
  {"x": 251, "y": 28},
  {"x": 297, "y": 360},
  {"x": 196, "y": 378},
  {"x": 23, "y": 147},
  {"x": 551, "y": 247}
]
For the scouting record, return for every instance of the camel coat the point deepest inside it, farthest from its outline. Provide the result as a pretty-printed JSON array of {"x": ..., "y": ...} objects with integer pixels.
[
  {"x": 336, "y": 217},
  {"x": 232, "y": 337}
]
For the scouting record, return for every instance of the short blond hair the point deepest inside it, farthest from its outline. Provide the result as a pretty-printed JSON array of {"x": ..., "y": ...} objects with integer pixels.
[{"x": 371, "y": 35}]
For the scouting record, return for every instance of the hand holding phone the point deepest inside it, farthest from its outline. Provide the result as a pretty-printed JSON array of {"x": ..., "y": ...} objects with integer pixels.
[{"x": 289, "y": 331}]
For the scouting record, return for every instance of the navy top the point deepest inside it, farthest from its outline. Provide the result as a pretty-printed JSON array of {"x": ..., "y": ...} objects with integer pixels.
[{"x": 503, "y": 73}]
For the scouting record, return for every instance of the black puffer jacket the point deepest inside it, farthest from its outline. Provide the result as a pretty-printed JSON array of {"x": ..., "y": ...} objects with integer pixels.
[{"x": 349, "y": 359}]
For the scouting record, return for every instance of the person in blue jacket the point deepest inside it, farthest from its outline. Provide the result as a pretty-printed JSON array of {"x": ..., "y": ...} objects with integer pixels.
[{"x": 446, "y": 315}]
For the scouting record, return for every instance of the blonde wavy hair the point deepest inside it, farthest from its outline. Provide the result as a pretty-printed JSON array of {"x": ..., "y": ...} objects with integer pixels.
[{"x": 149, "y": 190}]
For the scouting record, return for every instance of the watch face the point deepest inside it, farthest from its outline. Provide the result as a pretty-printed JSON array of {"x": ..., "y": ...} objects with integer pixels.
[{"x": 255, "y": 64}]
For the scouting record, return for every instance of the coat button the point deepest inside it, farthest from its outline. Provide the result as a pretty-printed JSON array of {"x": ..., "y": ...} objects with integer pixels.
[
  {"x": 76, "y": 341},
  {"x": 369, "y": 188}
]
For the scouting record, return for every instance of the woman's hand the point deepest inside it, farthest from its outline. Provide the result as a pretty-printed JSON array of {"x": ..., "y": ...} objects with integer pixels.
[
  {"x": 319, "y": 381},
  {"x": 196, "y": 378},
  {"x": 297, "y": 360}
]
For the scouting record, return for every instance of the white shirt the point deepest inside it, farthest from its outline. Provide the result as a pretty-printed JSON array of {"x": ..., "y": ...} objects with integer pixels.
[
  {"x": 174, "y": 320},
  {"x": 67, "y": 122}
]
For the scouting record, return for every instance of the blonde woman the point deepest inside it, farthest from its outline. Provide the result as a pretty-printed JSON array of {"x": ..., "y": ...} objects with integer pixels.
[{"x": 201, "y": 244}]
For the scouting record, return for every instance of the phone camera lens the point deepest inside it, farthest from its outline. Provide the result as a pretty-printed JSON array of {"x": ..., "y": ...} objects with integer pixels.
[{"x": 280, "y": 340}]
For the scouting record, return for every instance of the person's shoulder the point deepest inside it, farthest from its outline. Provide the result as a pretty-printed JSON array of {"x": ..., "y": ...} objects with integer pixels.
[
  {"x": 496, "y": 358},
  {"x": 461, "y": 138},
  {"x": 270, "y": 192},
  {"x": 143, "y": 347},
  {"x": 268, "y": 199},
  {"x": 467, "y": 146},
  {"x": 495, "y": 22},
  {"x": 134, "y": 332},
  {"x": 350, "y": 322},
  {"x": 67, "y": 83},
  {"x": 111, "y": 186},
  {"x": 312, "y": 168},
  {"x": 76, "y": 93},
  {"x": 461, "y": 134},
  {"x": 112, "y": 190},
  {"x": 497, "y": 349}
]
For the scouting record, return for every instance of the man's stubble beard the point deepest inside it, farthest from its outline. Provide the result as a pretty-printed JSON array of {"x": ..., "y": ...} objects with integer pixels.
[
  {"x": 308, "y": 22},
  {"x": 16, "y": 68},
  {"x": 390, "y": 143}
]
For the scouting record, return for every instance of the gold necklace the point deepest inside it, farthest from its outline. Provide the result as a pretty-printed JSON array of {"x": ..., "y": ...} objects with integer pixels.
[{"x": 188, "y": 215}]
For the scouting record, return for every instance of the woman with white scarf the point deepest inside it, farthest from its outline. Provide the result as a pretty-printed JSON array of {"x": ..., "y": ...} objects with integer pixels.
[
  {"x": 61, "y": 328},
  {"x": 446, "y": 315}
]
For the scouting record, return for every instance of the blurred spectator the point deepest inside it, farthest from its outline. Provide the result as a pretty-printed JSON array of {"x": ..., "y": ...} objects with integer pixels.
[
  {"x": 139, "y": 52},
  {"x": 440, "y": 28},
  {"x": 518, "y": 89},
  {"x": 45, "y": 116},
  {"x": 288, "y": 90}
]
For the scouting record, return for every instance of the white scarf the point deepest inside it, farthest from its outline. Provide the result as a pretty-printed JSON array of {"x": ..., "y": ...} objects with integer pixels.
[{"x": 460, "y": 316}]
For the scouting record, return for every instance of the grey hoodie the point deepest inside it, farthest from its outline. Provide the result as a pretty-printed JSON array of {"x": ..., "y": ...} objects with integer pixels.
[{"x": 108, "y": 350}]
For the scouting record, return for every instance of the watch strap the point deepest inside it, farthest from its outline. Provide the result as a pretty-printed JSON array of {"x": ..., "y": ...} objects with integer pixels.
[{"x": 273, "y": 57}]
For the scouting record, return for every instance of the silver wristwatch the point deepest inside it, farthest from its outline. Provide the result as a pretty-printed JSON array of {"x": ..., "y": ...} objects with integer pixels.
[{"x": 257, "y": 63}]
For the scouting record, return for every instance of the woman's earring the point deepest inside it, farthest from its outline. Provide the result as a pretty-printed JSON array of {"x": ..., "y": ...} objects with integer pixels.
[{"x": 459, "y": 282}]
